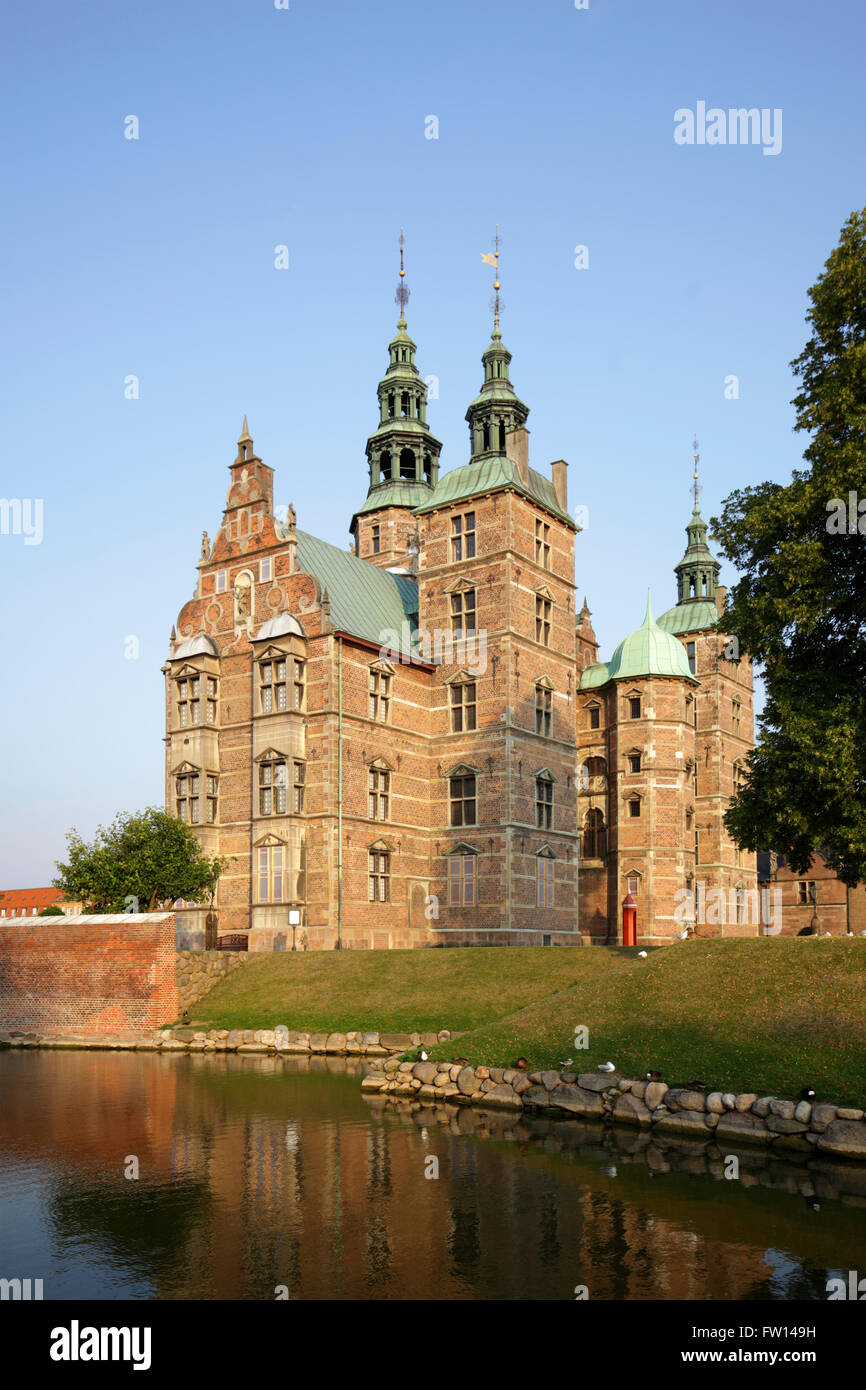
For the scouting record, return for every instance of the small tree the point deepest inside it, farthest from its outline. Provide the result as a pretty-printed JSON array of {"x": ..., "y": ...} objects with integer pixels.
[
  {"x": 140, "y": 861},
  {"x": 52, "y": 910}
]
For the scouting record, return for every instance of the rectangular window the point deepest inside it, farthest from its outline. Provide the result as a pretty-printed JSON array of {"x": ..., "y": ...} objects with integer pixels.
[
  {"x": 463, "y": 612},
  {"x": 634, "y": 762},
  {"x": 272, "y": 874},
  {"x": 735, "y": 716},
  {"x": 634, "y": 707},
  {"x": 595, "y": 717},
  {"x": 690, "y": 653},
  {"x": 379, "y": 877},
  {"x": 463, "y": 536},
  {"x": 299, "y": 685},
  {"x": 188, "y": 797},
  {"x": 542, "y": 544},
  {"x": 300, "y": 780},
  {"x": 211, "y": 700},
  {"x": 376, "y": 540},
  {"x": 461, "y": 880},
  {"x": 273, "y": 685},
  {"x": 188, "y": 702},
  {"x": 221, "y": 581},
  {"x": 804, "y": 892},
  {"x": 380, "y": 696},
  {"x": 463, "y": 706},
  {"x": 542, "y": 620},
  {"x": 265, "y": 569},
  {"x": 634, "y": 808},
  {"x": 379, "y": 793},
  {"x": 273, "y": 787},
  {"x": 463, "y": 800},
  {"x": 543, "y": 709},
  {"x": 543, "y": 803},
  {"x": 632, "y": 883},
  {"x": 544, "y": 881}
]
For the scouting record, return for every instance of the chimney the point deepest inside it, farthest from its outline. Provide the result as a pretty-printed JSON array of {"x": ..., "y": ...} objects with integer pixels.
[
  {"x": 517, "y": 448},
  {"x": 559, "y": 470},
  {"x": 721, "y": 594}
]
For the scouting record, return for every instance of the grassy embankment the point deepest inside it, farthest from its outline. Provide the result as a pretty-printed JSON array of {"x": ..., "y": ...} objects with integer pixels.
[{"x": 770, "y": 1015}]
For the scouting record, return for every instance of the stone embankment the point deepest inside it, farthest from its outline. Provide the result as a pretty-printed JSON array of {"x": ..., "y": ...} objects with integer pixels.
[
  {"x": 198, "y": 972},
  {"x": 789, "y": 1126},
  {"x": 280, "y": 1040}
]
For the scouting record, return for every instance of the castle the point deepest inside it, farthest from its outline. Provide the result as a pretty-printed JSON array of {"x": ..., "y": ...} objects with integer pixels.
[{"x": 414, "y": 743}]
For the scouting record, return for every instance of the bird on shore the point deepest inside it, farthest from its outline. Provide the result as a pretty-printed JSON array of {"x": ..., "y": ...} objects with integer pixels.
[
  {"x": 807, "y": 1093},
  {"x": 607, "y": 1066},
  {"x": 682, "y": 936},
  {"x": 694, "y": 1085},
  {"x": 641, "y": 955},
  {"x": 567, "y": 1063},
  {"x": 423, "y": 1055},
  {"x": 653, "y": 1075}
]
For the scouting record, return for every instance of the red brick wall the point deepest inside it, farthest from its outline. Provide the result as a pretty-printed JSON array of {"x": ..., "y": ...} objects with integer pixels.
[{"x": 88, "y": 976}]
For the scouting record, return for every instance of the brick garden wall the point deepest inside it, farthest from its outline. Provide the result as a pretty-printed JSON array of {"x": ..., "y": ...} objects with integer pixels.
[{"x": 89, "y": 976}]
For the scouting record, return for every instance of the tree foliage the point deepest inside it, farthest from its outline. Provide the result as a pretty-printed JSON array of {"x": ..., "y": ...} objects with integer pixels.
[
  {"x": 140, "y": 861},
  {"x": 800, "y": 607}
]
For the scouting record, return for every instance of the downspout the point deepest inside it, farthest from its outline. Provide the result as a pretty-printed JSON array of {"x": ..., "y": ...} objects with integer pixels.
[{"x": 339, "y": 943}]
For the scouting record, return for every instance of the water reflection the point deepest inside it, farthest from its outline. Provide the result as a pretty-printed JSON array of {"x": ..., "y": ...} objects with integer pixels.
[{"x": 264, "y": 1171}]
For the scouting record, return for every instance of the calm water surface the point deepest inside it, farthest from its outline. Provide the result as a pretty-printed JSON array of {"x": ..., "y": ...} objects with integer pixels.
[{"x": 257, "y": 1172}]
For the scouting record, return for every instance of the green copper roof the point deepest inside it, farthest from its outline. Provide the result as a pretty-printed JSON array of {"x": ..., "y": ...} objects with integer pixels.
[
  {"x": 694, "y": 615},
  {"x": 365, "y": 600},
  {"x": 591, "y": 677},
  {"x": 491, "y": 475},
  {"x": 396, "y": 494},
  {"x": 650, "y": 652}
]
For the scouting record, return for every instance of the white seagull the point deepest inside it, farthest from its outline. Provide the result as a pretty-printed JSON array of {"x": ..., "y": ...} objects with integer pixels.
[{"x": 607, "y": 1066}]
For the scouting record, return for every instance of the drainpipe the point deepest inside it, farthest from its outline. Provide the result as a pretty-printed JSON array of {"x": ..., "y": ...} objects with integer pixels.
[{"x": 339, "y": 793}]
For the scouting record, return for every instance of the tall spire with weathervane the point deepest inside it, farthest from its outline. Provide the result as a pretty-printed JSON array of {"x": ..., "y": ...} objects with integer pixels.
[
  {"x": 402, "y": 454},
  {"x": 497, "y": 408}
]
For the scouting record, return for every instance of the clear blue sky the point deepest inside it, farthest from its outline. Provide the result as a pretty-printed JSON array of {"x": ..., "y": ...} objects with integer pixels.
[{"x": 306, "y": 127}]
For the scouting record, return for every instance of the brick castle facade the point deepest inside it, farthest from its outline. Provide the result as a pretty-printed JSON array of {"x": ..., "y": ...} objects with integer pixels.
[{"x": 413, "y": 743}]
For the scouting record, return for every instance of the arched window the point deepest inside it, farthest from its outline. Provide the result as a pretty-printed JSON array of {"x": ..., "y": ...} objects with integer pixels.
[
  {"x": 404, "y": 404},
  {"x": 501, "y": 436},
  {"x": 390, "y": 405},
  {"x": 407, "y": 464},
  {"x": 428, "y": 469},
  {"x": 486, "y": 436},
  {"x": 593, "y": 835},
  {"x": 596, "y": 767},
  {"x": 385, "y": 465}
]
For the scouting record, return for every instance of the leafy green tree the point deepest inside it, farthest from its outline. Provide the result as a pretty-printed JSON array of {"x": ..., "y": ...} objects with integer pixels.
[
  {"x": 52, "y": 910},
  {"x": 145, "y": 858},
  {"x": 800, "y": 607}
]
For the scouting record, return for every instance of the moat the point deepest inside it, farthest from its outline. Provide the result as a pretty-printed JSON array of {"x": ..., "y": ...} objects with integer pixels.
[{"x": 259, "y": 1174}]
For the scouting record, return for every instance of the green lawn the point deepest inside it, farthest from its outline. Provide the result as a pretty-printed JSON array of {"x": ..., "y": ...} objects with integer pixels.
[{"x": 771, "y": 1014}]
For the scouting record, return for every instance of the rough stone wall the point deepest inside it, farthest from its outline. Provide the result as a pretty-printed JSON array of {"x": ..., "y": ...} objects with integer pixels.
[
  {"x": 89, "y": 976},
  {"x": 199, "y": 971}
]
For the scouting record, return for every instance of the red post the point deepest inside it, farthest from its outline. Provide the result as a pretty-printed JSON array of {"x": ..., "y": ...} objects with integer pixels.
[{"x": 629, "y": 921}]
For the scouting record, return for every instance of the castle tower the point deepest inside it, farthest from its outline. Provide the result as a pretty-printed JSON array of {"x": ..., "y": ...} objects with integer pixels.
[
  {"x": 402, "y": 456},
  {"x": 723, "y": 714},
  {"x": 636, "y": 738},
  {"x": 497, "y": 574}
]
